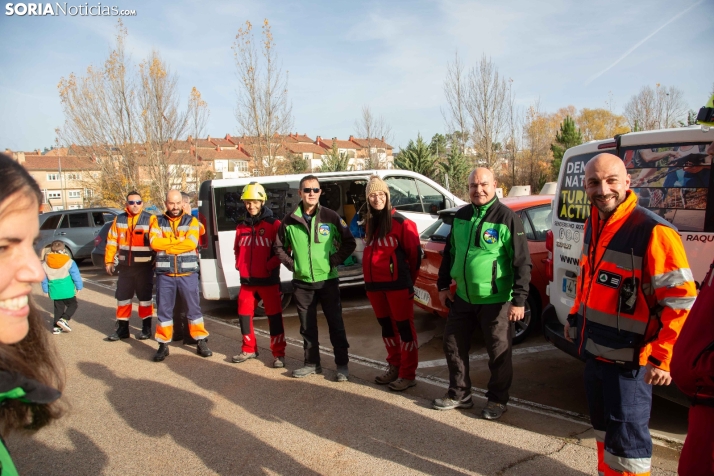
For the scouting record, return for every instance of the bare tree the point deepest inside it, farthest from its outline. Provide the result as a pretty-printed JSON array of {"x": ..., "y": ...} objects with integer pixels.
[
  {"x": 455, "y": 90},
  {"x": 486, "y": 107},
  {"x": 127, "y": 120},
  {"x": 513, "y": 127},
  {"x": 263, "y": 111},
  {"x": 162, "y": 122},
  {"x": 376, "y": 132},
  {"x": 198, "y": 118},
  {"x": 102, "y": 121},
  {"x": 659, "y": 108}
]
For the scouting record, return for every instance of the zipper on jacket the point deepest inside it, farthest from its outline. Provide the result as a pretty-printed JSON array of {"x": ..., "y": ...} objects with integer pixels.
[
  {"x": 309, "y": 245},
  {"x": 466, "y": 255},
  {"x": 252, "y": 243},
  {"x": 494, "y": 270},
  {"x": 593, "y": 265}
]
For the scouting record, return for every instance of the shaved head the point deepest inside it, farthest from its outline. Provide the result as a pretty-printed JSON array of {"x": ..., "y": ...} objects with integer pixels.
[
  {"x": 174, "y": 203},
  {"x": 482, "y": 186},
  {"x": 606, "y": 183}
]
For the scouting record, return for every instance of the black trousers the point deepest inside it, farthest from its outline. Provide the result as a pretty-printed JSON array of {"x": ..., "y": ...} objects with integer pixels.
[
  {"x": 65, "y": 308},
  {"x": 329, "y": 298},
  {"x": 492, "y": 319}
]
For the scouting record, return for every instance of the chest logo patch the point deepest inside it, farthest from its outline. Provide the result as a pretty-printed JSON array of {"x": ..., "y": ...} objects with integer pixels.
[
  {"x": 611, "y": 280},
  {"x": 262, "y": 232},
  {"x": 324, "y": 230},
  {"x": 490, "y": 236}
]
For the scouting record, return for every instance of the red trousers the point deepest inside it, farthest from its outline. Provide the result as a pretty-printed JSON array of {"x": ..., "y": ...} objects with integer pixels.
[
  {"x": 270, "y": 295},
  {"x": 395, "y": 313},
  {"x": 697, "y": 458}
]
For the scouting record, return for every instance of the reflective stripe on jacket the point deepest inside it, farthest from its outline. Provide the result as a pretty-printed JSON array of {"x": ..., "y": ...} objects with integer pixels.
[
  {"x": 175, "y": 256},
  {"x": 129, "y": 234},
  {"x": 635, "y": 249}
]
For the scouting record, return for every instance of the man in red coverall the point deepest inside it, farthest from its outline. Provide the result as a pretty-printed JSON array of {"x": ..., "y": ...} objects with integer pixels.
[{"x": 259, "y": 270}]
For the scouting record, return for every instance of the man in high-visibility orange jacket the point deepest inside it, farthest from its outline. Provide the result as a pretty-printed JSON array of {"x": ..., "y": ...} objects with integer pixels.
[
  {"x": 634, "y": 293},
  {"x": 128, "y": 247},
  {"x": 174, "y": 236}
]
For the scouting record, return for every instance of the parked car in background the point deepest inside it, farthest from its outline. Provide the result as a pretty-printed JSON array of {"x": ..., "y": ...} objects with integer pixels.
[
  {"x": 535, "y": 212},
  {"x": 100, "y": 244},
  {"x": 75, "y": 228}
]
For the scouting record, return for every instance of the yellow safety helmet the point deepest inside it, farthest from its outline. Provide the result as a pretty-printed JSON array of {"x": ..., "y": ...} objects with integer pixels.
[
  {"x": 254, "y": 191},
  {"x": 706, "y": 114}
]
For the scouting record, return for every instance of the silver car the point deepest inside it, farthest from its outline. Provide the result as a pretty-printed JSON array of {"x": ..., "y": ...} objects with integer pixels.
[{"x": 76, "y": 228}]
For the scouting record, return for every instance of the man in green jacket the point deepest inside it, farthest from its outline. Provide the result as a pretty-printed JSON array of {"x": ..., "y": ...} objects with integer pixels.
[
  {"x": 312, "y": 241},
  {"x": 487, "y": 254}
]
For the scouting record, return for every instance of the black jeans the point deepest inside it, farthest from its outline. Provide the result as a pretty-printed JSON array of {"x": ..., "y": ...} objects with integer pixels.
[
  {"x": 492, "y": 319},
  {"x": 306, "y": 300},
  {"x": 65, "y": 308}
]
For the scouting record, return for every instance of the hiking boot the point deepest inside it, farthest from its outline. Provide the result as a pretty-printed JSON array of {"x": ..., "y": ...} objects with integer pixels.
[
  {"x": 202, "y": 348},
  {"x": 121, "y": 332},
  {"x": 162, "y": 352},
  {"x": 343, "y": 373},
  {"x": 56, "y": 330},
  {"x": 389, "y": 376},
  {"x": 279, "y": 362},
  {"x": 402, "y": 384},
  {"x": 64, "y": 325},
  {"x": 449, "y": 403},
  {"x": 145, "y": 329},
  {"x": 243, "y": 356},
  {"x": 307, "y": 370},
  {"x": 493, "y": 410}
]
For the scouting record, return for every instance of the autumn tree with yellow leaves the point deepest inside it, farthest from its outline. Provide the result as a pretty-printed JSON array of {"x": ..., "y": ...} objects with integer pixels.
[{"x": 129, "y": 120}]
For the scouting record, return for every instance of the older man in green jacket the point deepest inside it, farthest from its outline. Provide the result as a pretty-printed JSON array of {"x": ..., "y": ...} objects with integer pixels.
[{"x": 487, "y": 255}]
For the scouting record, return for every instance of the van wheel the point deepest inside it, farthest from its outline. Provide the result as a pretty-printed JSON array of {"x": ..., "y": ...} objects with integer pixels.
[
  {"x": 526, "y": 325},
  {"x": 284, "y": 302}
]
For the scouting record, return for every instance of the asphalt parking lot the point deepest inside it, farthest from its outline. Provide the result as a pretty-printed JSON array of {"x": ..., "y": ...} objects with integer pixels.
[{"x": 547, "y": 393}]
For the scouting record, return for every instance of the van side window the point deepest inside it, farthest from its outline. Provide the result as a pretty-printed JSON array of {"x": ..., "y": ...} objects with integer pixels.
[
  {"x": 672, "y": 180},
  {"x": 431, "y": 198},
  {"x": 403, "y": 194},
  {"x": 65, "y": 222},
  {"x": 51, "y": 222}
]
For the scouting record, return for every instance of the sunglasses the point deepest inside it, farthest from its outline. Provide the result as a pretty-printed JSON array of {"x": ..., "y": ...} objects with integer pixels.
[
  {"x": 134, "y": 202},
  {"x": 308, "y": 190}
]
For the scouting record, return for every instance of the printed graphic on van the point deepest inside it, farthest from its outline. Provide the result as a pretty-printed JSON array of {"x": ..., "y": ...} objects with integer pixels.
[
  {"x": 672, "y": 182},
  {"x": 573, "y": 203}
]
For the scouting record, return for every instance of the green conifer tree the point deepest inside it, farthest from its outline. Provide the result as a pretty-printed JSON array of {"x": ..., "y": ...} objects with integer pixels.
[{"x": 568, "y": 136}]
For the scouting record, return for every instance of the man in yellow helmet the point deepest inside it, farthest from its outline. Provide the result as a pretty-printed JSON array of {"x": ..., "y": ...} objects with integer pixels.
[{"x": 259, "y": 270}]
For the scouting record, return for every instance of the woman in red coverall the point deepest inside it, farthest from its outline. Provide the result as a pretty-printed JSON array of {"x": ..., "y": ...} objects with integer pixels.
[
  {"x": 259, "y": 272},
  {"x": 390, "y": 263}
]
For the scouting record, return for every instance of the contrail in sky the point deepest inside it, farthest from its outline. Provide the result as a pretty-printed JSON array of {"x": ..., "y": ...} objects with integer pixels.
[{"x": 641, "y": 42}]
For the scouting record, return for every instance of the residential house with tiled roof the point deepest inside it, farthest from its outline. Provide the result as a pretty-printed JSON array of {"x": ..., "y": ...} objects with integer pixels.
[
  {"x": 62, "y": 179},
  {"x": 375, "y": 148}
]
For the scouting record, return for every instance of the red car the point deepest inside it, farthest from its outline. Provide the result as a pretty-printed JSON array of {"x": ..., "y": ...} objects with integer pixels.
[{"x": 535, "y": 212}]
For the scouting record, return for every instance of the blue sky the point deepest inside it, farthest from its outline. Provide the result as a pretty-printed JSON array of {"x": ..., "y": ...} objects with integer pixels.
[{"x": 391, "y": 56}]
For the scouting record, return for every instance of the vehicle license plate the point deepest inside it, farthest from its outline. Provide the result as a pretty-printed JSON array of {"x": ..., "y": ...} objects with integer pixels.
[
  {"x": 421, "y": 296},
  {"x": 569, "y": 287}
]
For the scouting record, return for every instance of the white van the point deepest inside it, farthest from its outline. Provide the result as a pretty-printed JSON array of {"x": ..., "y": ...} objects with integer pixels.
[
  {"x": 220, "y": 207},
  {"x": 671, "y": 175}
]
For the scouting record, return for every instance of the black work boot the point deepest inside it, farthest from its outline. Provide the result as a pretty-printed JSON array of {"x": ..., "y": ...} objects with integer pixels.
[
  {"x": 145, "y": 329},
  {"x": 202, "y": 348},
  {"x": 162, "y": 352},
  {"x": 121, "y": 332}
]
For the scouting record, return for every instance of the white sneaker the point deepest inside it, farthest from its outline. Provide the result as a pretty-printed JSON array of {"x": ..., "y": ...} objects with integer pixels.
[
  {"x": 64, "y": 325},
  {"x": 56, "y": 330}
]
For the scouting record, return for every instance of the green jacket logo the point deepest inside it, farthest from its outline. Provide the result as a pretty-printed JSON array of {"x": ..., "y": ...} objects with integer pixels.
[
  {"x": 324, "y": 230},
  {"x": 490, "y": 236}
]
